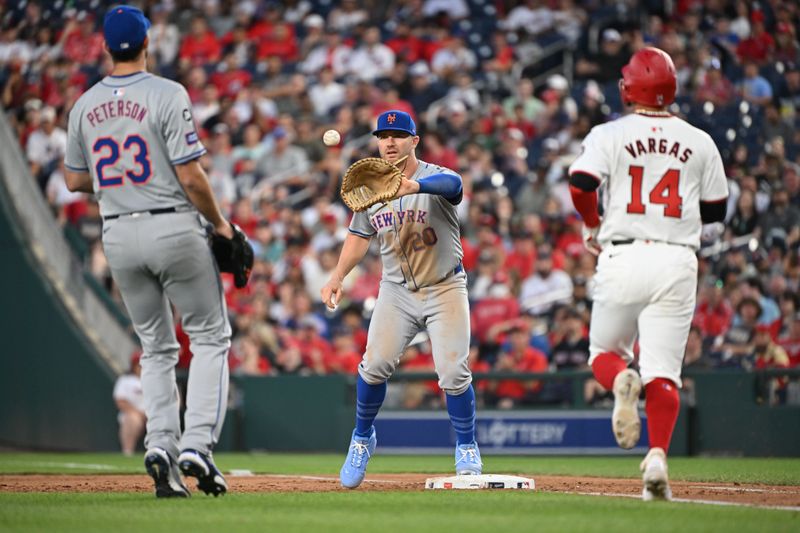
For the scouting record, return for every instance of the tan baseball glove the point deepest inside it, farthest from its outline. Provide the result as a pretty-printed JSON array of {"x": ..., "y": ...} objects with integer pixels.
[{"x": 369, "y": 181}]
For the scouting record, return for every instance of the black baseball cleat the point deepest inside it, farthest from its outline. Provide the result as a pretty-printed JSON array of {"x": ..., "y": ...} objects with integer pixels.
[
  {"x": 164, "y": 472},
  {"x": 209, "y": 478}
]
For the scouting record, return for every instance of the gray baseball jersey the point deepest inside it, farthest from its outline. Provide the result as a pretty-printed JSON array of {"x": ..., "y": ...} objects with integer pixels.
[
  {"x": 429, "y": 244},
  {"x": 128, "y": 132},
  {"x": 423, "y": 285}
]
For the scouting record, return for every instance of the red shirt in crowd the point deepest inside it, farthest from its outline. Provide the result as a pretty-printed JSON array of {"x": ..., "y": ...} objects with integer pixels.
[
  {"x": 200, "y": 50},
  {"x": 792, "y": 347},
  {"x": 83, "y": 49},
  {"x": 423, "y": 362},
  {"x": 447, "y": 157},
  {"x": 756, "y": 47},
  {"x": 504, "y": 56},
  {"x": 75, "y": 210},
  {"x": 52, "y": 90},
  {"x": 471, "y": 253},
  {"x": 259, "y": 31},
  {"x": 713, "y": 321},
  {"x": 570, "y": 243},
  {"x": 429, "y": 49},
  {"x": 360, "y": 338},
  {"x": 286, "y": 50},
  {"x": 278, "y": 42},
  {"x": 478, "y": 366},
  {"x": 492, "y": 311},
  {"x": 366, "y": 286},
  {"x": 313, "y": 349},
  {"x": 520, "y": 261},
  {"x": 407, "y": 48},
  {"x": 720, "y": 91},
  {"x": 531, "y": 360},
  {"x": 248, "y": 224},
  {"x": 231, "y": 82},
  {"x": 527, "y": 127},
  {"x": 342, "y": 362}
]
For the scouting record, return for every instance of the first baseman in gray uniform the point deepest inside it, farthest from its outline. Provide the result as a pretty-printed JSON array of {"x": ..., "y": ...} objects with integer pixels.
[
  {"x": 132, "y": 142},
  {"x": 423, "y": 286}
]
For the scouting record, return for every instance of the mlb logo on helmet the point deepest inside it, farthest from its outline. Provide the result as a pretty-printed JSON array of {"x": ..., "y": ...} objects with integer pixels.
[
  {"x": 395, "y": 120},
  {"x": 125, "y": 27}
]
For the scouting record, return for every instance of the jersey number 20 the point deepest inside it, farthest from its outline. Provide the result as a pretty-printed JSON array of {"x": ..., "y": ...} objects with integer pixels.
[
  {"x": 665, "y": 192},
  {"x": 141, "y": 158}
]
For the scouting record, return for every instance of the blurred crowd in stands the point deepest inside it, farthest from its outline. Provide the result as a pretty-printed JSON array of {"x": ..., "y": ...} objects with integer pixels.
[{"x": 503, "y": 92}]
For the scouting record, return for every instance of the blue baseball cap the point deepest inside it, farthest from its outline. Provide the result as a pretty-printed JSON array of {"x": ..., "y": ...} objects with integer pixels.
[
  {"x": 394, "y": 120},
  {"x": 125, "y": 27}
]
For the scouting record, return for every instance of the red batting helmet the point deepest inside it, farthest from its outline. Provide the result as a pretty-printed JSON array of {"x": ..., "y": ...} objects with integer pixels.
[{"x": 649, "y": 78}]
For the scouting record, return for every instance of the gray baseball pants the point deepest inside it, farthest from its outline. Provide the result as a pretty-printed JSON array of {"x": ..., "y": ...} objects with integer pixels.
[{"x": 155, "y": 260}]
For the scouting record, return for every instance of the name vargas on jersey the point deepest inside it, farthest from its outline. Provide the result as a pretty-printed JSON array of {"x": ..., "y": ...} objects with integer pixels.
[{"x": 658, "y": 146}]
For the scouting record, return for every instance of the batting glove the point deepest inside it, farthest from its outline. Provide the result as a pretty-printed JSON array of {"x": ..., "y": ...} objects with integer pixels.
[
  {"x": 711, "y": 233},
  {"x": 590, "y": 239}
]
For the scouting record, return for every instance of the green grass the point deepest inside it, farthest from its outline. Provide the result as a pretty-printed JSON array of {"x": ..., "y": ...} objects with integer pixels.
[
  {"x": 382, "y": 512},
  {"x": 742, "y": 470}
]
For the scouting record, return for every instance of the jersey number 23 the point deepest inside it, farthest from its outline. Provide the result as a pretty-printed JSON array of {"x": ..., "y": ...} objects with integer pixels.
[{"x": 108, "y": 149}]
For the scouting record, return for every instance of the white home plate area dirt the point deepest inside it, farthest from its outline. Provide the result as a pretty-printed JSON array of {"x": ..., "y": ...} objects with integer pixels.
[{"x": 777, "y": 496}]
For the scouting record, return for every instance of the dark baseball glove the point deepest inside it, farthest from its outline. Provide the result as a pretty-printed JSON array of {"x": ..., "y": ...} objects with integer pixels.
[
  {"x": 233, "y": 255},
  {"x": 369, "y": 181}
]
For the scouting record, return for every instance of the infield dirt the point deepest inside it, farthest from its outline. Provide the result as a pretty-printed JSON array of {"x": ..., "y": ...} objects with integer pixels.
[{"x": 748, "y": 494}]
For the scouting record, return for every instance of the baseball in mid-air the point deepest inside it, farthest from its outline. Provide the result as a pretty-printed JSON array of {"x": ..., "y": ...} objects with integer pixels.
[{"x": 331, "y": 138}]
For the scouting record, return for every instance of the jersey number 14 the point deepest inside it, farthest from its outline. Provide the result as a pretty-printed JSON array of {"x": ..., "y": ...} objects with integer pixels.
[
  {"x": 665, "y": 192},
  {"x": 108, "y": 148}
]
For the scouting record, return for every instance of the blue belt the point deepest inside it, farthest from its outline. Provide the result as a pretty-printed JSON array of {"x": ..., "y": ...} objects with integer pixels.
[{"x": 457, "y": 270}]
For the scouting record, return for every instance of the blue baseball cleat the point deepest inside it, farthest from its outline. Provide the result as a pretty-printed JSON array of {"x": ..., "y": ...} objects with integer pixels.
[
  {"x": 162, "y": 468},
  {"x": 355, "y": 465},
  {"x": 468, "y": 460},
  {"x": 201, "y": 466}
]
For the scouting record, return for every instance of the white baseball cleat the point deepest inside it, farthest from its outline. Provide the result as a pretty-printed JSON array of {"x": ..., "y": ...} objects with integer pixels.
[
  {"x": 625, "y": 420},
  {"x": 654, "y": 476}
]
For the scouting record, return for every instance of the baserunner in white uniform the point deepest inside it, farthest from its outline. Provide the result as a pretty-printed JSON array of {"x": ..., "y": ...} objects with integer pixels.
[
  {"x": 132, "y": 141},
  {"x": 663, "y": 179},
  {"x": 423, "y": 287}
]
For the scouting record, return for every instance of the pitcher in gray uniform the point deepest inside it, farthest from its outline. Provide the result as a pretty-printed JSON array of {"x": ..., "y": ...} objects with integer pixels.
[
  {"x": 423, "y": 286},
  {"x": 132, "y": 141}
]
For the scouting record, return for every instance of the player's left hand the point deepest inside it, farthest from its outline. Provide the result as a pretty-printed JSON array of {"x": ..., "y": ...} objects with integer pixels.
[
  {"x": 590, "y": 239},
  {"x": 407, "y": 187},
  {"x": 234, "y": 255},
  {"x": 225, "y": 229},
  {"x": 711, "y": 233}
]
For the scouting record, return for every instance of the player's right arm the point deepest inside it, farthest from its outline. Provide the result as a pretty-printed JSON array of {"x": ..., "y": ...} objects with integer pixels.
[
  {"x": 353, "y": 251},
  {"x": 76, "y": 167},
  {"x": 195, "y": 183},
  {"x": 78, "y": 181},
  {"x": 585, "y": 175}
]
